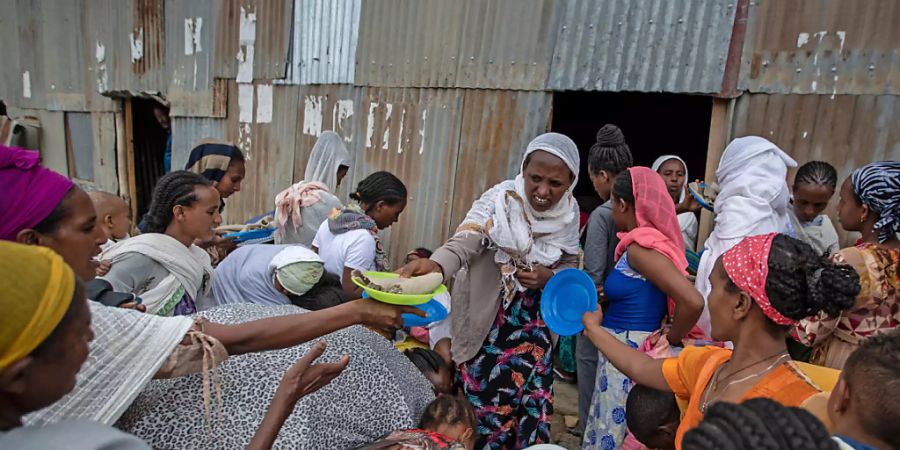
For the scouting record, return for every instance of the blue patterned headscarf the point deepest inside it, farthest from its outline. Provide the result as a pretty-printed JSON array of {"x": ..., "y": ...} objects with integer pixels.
[{"x": 878, "y": 185}]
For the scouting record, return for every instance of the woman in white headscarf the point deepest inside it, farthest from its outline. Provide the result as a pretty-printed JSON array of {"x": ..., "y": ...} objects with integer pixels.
[
  {"x": 301, "y": 208},
  {"x": 753, "y": 199},
  {"x": 674, "y": 172},
  {"x": 512, "y": 240}
]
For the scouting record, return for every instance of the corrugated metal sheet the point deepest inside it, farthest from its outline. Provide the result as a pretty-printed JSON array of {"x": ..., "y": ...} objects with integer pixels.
[
  {"x": 847, "y": 131},
  {"x": 642, "y": 45},
  {"x": 822, "y": 46},
  {"x": 271, "y": 38},
  {"x": 187, "y": 131},
  {"x": 190, "y": 27},
  {"x": 503, "y": 44},
  {"x": 323, "y": 49}
]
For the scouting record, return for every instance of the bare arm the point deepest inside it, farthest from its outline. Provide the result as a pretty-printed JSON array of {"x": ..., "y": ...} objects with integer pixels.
[
  {"x": 634, "y": 364},
  {"x": 665, "y": 276}
]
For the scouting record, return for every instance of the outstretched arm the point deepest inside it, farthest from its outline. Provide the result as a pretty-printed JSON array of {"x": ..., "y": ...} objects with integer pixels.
[{"x": 634, "y": 364}]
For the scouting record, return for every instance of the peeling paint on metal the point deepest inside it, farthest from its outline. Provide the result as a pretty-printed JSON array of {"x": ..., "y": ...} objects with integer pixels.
[
  {"x": 102, "y": 75},
  {"x": 389, "y": 109},
  {"x": 343, "y": 110},
  {"x": 245, "y": 103},
  {"x": 247, "y": 42},
  {"x": 192, "y": 29},
  {"x": 370, "y": 125},
  {"x": 264, "y": 103},
  {"x": 802, "y": 39},
  {"x": 422, "y": 132},
  {"x": 312, "y": 115},
  {"x": 137, "y": 44},
  {"x": 245, "y": 143},
  {"x": 26, "y": 84}
]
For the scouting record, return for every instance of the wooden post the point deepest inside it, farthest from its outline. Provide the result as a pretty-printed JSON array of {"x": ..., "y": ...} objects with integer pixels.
[
  {"x": 129, "y": 161},
  {"x": 719, "y": 126}
]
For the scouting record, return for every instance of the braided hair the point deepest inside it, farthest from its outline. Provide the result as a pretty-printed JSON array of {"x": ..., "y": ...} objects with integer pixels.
[
  {"x": 380, "y": 186},
  {"x": 816, "y": 173},
  {"x": 450, "y": 410},
  {"x": 872, "y": 373},
  {"x": 623, "y": 187},
  {"x": 758, "y": 424},
  {"x": 610, "y": 152},
  {"x": 175, "y": 188},
  {"x": 801, "y": 283}
]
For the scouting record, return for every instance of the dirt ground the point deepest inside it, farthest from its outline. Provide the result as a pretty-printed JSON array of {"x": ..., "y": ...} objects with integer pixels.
[{"x": 565, "y": 409}]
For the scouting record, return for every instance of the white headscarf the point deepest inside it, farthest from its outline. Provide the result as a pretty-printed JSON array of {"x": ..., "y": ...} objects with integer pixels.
[
  {"x": 662, "y": 160},
  {"x": 687, "y": 221},
  {"x": 754, "y": 199},
  {"x": 327, "y": 155},
  {"x": 522, "y": 236}
]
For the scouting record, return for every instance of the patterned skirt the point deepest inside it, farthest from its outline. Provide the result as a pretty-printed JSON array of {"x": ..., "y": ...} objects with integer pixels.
[{"x": 509, "y": 381}]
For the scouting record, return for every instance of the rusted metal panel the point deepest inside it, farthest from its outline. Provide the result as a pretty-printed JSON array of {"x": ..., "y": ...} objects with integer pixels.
[
  {"x": 822, "y": 47},
  {"x": 264, "y": 44},
  {"x": 496, "y": 128},
  {"x": 847, "y": 131},
  {"x": 642, "y": 45},
  {"x": 503, "y": 44},
  {"x": 104, "y": 137},
  {"x": 324, "y": 40},
  {"x": 190, "y": 27}
]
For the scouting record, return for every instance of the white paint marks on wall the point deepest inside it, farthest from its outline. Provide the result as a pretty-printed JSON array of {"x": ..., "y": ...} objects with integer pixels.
[
  {"x": 401, "y": 141},
  {"x": 193, "y": 26},
  {"x": 102, "y": 76},
  {"x": 386, "y": 136},
  {"x": 343, "y": 109},
  {"x": 26, "y": 84},
  {"x": 312, "y": 114},
  {"x": 246, "y": 44},
  {"x": 805, "y": 134},
  {"x": 422, "y": 132},
  {"x": 245, "y": 143},
  {"x": 245, "y": 103},
  {"x": 370, "y": 125},
  {"x": 137, "y": 45},
  {"x": 264, "y": 103},
  {"x": 842, "y": 35},
  {"x": 802, "y": 39}
]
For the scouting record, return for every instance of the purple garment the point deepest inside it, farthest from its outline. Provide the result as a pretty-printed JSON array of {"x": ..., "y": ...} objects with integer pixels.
[
  {"x": 186, "y": 306},
  {"x": 29, "y": 192}
]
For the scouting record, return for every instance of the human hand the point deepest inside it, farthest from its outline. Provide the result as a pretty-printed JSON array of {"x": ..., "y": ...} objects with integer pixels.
[
  {"x": 224, "y": 244},
  {"x": 689, "y": 204},
  {"x": 417, "y": 267},
  {"x": 135, "y": 305},
  {"x": 601, "y": 296},
  {"x": 103, "y": 268},
  {"x": 592, "y": 320},
  {"x": 383, "y": 315},
  {"x": 304, "y": 377},
  {"x": 536, "y": 278}
]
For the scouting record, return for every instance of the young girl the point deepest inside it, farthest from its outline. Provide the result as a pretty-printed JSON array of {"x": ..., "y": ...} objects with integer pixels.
[
  {"x": 760, "y": 287},
  {"x": 349, "y": 240},
  {"x": 447, "y": 424},
  {"x": 813, "y": 188}
]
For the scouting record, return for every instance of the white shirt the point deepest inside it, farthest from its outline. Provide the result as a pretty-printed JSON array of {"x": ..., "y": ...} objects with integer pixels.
[{"x": 354, "y": 249}]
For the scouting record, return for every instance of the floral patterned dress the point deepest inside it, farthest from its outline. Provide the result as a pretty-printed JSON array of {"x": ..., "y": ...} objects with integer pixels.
[{"x": 509, "y": 381}]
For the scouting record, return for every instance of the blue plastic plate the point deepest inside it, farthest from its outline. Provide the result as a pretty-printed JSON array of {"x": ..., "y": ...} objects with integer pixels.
[
  {"x": 565, "y": 299},
  {"x": 698, "y": 196},
  {"x": 251, "y": 235},
  {"x": 435, "y": 310}
]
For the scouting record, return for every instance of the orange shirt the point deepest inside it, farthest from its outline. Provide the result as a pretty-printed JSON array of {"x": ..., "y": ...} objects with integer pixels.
[{"x": 690, "y": 373}]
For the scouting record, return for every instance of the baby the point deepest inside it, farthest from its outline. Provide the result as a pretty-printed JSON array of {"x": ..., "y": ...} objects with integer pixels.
[
  {"x": 114, "y": 218},
  {"x": 448, "y": 423}
]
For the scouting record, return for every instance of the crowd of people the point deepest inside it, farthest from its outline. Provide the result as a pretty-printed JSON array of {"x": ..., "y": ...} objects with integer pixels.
[{"x": 767, "y": 334}]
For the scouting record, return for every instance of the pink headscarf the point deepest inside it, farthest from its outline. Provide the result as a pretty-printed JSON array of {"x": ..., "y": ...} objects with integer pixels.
[
  {"x": 658, "y": 227},
  {"x": 28, "y": 191},
  {"x": 747, "y": 264}
]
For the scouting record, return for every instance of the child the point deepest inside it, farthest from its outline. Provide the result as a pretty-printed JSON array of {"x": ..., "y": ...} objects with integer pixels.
[
  {"x": 114, "y": 218},
  {"x": 448, "y": 423},
  {"x": 652, "y": 417}
]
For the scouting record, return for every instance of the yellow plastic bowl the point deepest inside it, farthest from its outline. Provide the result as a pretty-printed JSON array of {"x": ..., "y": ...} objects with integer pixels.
[{"x": 396, "y": 299}]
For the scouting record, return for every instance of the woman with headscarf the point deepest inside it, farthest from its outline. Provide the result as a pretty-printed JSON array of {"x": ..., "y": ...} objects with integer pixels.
[
  {"x": 674, "y": 172},
  {"x": 220, "y": 162},
  {"x": 869, "y": 204},
  {"x": 301, "y": 208},
  {"x": 275, "y": 275},
  {"x": 509, "y": 245},
  {"x": 647, "y": 284},
  {"x": 46, "y": 333},
  {"x": 753, "y": 199}
]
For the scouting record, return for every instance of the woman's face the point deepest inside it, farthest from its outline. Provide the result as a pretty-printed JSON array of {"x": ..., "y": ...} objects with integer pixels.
[
  {"x": 200, "y": 219},
  {"x": 721, "y": 303},
  {"x": 672, "y": 172},
  {"x": 386, "y": 215},
  {"x": 810, "y": 200},
  {"x": 547, "y": 178},
  {"x": 341, "y": 173},
  {"x": 77, "y": 237},
  {"x": 231, "y": 181},
  {"x": 851, "y": 213}
]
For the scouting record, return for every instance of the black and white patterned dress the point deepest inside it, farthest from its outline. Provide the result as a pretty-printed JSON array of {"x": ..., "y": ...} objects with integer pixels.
[{"x": 379, "y": 392}]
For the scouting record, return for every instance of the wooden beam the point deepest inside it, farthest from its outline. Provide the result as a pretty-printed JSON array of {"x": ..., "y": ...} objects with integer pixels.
[
  {"x": 129, "y": 158},
  {"x": 719, "y": 127}
]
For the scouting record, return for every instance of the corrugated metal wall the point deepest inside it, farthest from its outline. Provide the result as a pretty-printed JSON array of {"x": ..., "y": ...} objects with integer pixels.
[
  {"x": 822, "y": 47},
  {"x": 323, "y": 46},
  {"x": 642, "y": 45}
]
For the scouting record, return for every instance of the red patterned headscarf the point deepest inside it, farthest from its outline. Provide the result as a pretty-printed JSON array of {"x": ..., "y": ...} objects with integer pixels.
[{"x": 747, "y": 264}]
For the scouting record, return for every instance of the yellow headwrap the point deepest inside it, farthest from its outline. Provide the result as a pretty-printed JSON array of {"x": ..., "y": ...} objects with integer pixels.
[{"x": 36, "y": 288}]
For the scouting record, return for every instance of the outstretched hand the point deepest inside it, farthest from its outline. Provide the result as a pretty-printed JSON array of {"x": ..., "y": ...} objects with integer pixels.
[
  {"x": 384, "y": 316},
  {"x": 304, "y": 377},
  {"x": 418, "y": 267}
]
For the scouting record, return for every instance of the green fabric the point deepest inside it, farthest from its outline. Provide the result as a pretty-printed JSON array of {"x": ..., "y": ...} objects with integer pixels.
[
  {"x": 567, "y": 353},
  {"x": 298, "y": 278}
]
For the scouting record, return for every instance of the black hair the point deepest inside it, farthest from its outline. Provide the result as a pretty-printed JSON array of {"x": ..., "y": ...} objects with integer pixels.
[
  {"x": 623, "y": 188},
  {"x": 175, "y": 188},
  {"x": 425, "y": 360},
  {"x": 51, "y": 223},
  {"x": 758, "y": 423},
  {"x": 380, "y": 186},
  {"x": 237, "y": 156},
  {"x": 647, "y": 409},
  {"x": 817, "y": 173},
  {"x": 2, "y": 108},
  {"x": 327, "y": 292},
  {"x": 448, "y": 409},
  {"x": 872, "y": 373},
  {"x": 423, "y": 252},
  {"x": 610, "y": 152}
]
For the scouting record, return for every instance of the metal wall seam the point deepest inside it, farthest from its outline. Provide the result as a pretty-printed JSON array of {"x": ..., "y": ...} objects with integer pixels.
[
  {"x": 324, "y": 41},
  {"x": 642, "y": 45},
  {"x": 822, "y": 47}
]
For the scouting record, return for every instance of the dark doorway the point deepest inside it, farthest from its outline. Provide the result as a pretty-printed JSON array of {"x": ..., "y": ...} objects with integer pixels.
[
  {"x": 150, "y": 127},
  {"x": 653, "y": 124}
]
